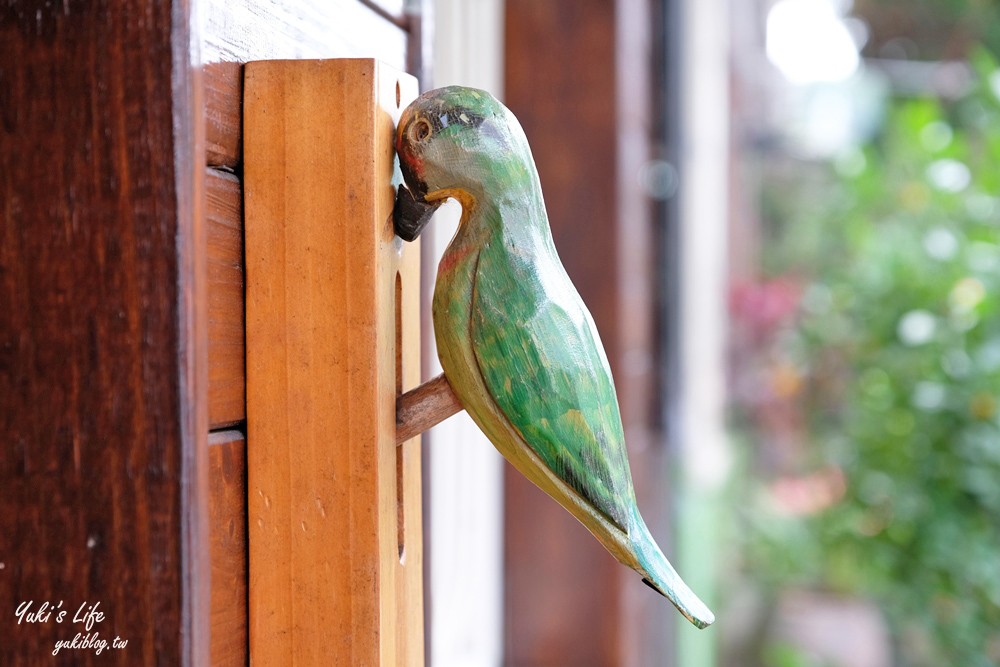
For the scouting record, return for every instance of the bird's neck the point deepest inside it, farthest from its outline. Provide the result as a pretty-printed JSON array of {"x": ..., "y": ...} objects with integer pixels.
[{"x": 510, "y": 203}]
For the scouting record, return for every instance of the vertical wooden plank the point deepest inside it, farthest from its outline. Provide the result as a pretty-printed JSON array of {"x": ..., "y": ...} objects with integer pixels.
[
  {"x": 595, "y": 199},
  {"x": 328, "y": 584},
  {"x": 102, "y": 342},
  {"x": 546, "y": 605},
  {"x": 227, "y": 536},
  {"x": 226, "y": 354}
]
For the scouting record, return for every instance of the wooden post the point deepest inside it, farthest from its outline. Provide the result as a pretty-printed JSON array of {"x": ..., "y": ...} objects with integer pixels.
[
  {"x": 332, "y": 339},
  {"x": 103, "y": 338}
]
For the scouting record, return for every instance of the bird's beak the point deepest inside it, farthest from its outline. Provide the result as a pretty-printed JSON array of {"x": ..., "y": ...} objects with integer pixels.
[{"x": 412, "y": 213}]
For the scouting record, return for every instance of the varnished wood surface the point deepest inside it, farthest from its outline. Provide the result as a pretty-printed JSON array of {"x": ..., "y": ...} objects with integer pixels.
[
  {"x": 102, "y": 339},
  {"x": 223, "y": 100},
  {"x": 334, "y": 505},
  {"x": 239, "y": 31},
  {"x": 424, "y": 407},
  {"x": 227, "y": 533},
  {"x": 226, "y": 370}
]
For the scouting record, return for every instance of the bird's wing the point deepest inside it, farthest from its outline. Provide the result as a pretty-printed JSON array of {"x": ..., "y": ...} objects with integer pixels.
[{"x": 542, "y": 361}]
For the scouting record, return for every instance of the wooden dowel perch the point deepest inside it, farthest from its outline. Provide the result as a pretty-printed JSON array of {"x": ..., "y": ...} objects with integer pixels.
[{"x": 423, "y": 407}]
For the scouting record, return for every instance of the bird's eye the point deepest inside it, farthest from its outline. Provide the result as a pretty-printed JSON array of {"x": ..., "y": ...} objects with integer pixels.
[{"x": 420, "y": 131}]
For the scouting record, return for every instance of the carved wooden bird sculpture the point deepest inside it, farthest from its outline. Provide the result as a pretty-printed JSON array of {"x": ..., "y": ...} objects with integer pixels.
[{"x": 516, "y": 341}]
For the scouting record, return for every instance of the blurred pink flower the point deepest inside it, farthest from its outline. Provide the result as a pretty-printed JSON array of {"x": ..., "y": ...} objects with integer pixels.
[{"x": 764, "y": 306}]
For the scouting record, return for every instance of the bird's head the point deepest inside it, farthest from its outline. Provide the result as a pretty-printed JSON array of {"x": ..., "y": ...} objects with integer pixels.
[{"x": 454, "y": 142}]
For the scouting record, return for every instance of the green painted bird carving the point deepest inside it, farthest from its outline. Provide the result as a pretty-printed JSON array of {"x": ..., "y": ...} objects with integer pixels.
[{"x": 516, "y": 342}]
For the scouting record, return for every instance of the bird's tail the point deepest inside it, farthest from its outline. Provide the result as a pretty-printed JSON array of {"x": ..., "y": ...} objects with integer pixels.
[{"x": 660, "y": 575}]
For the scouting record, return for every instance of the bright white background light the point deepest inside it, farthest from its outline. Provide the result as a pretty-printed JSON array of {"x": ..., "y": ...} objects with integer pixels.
[{"x": 809, "y": 42}]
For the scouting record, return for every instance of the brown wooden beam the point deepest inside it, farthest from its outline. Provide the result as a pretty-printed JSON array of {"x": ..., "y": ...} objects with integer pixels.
[
  {"x": 228, "y": 532},
  {"x": 226, "y": 328},
  {"x": 332, "y": 338},
  {"x": 102, "y": 332},
  {"x": 585, "y": 108}
]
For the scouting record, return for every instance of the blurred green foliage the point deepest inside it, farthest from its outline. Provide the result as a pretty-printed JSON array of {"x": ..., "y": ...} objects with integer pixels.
[{"x": 896, "y": 247}]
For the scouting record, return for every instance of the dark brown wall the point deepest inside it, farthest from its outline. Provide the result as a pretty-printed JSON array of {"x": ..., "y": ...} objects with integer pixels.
[
  {"x": 121, "y": 312},
  {"x": 102, "y": 420}
]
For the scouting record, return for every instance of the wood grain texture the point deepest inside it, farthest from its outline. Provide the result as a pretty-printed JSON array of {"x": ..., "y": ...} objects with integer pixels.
[
  {"x": 333, "y": 579},
  {"x": 227, "y": 533},
  {"x": 103, "y": 379},
  {"x": 223, "y": 101},
  {"x": 226, "y": 369},
  {"x": 424, "y": 407},
  {"x": 246, "y": 30}
]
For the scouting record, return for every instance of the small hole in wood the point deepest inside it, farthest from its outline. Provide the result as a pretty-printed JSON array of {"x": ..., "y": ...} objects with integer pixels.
[
  {"x": 400, "y": 458},
  {"x": 397, "y": 94},
  {"x": 400, "y": 512},
  {"x": 399, "y": 334}
]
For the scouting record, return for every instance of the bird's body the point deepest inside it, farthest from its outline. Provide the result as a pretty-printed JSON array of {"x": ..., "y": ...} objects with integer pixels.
[{"x": 516, "y": 341}]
